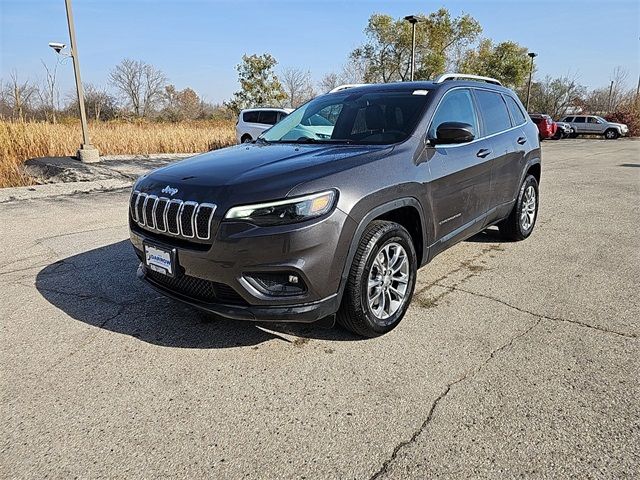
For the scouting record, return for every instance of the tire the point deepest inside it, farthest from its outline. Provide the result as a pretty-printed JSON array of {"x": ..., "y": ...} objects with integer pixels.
[
  {"x": 557, "y": 135},
  {"x": 246, "y": 138},
  {"x": 357, "y": 313},
  {"x": 573, "y": 134},
  {"x": 611, "y": 134},
  {"x": 514, "y": 227}
]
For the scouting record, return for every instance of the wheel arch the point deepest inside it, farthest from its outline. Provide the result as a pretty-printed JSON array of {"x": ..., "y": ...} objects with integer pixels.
[{"x": 404, "y": 211}]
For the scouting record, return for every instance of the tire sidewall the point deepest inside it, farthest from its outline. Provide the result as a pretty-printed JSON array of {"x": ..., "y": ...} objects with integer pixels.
[
  {"x": 401, "y": 236},
  {"x": 529, "y": 181}
]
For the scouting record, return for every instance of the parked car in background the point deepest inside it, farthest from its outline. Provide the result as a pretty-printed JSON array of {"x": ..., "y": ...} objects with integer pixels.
[
  {"x": 595, "y": 125},
  {"x": 564, "y": 130},
  {"x": 253, "y": 121},
  {"x": 546, "y": 126}
]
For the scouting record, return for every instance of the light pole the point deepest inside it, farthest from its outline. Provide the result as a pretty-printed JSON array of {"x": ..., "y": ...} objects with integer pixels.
[
  {"x": 532, "y": 55},
  {"x": 413, "y": 19},
  {"x": 87, "y": 152}
]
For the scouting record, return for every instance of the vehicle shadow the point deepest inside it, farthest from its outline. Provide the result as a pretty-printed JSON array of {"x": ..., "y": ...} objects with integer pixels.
[
  {"x": 489, "y": 235},
  {"x": 99, "y": 287}
]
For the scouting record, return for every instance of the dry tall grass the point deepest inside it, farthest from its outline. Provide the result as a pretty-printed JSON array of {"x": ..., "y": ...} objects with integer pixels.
[{"x": 21, "y": 141}]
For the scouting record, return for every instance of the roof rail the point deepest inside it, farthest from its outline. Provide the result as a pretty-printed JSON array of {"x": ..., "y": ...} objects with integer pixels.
[
  {"x": 463, "y": 76},
  {"x": 345, "y": 86}
]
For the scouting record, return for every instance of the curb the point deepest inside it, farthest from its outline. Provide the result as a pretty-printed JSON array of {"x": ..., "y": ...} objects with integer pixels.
[{"x": 49, "y": 190}]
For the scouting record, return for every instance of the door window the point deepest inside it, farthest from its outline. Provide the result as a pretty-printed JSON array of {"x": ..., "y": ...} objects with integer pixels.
[
  {"x": 250, "y": 117},
  {"x": 268, "y": 117},
  {"x": 457, "y": 106},
  {"x": 516, "y": 113},
  {"x": 494, "y": 111},
  {"x": 592, "y": 120},
  {"x": 579, "y": 120}
]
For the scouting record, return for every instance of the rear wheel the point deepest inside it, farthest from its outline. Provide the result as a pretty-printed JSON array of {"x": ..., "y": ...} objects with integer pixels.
[
  {"x": 611, "y": 134},
  {"x": 520, "y": 222},
  {"x": 381, "y": 280}
]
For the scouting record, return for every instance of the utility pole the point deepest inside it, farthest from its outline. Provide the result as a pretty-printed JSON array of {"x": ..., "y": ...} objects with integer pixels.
[
  {"x": 87, "y": 152},
  {"x": 413, "y": 20},
  {"x": 609, "y": 106},
  {"x": 532, "y": 56}
]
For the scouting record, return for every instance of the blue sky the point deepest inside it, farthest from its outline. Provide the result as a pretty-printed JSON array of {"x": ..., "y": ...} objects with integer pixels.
[{"x": 198, "y": 43}]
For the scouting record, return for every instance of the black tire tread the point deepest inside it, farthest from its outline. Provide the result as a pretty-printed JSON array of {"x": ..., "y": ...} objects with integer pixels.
[
  {"x": 350, "y": 314},
  {"x": 510, "y": 227}
]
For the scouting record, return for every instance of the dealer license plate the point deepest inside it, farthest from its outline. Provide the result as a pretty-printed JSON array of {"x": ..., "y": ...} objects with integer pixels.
[{"x": 159, "y": 260}]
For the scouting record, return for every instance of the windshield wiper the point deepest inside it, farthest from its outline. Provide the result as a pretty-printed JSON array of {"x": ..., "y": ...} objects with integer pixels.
[{"x": 324, "y": 140}]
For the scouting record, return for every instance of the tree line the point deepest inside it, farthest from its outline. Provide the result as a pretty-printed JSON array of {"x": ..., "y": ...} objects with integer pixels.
[{"x": 136, "y": 89}]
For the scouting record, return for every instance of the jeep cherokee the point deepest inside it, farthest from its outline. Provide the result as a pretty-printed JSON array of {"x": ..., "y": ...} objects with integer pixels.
[{"x": 334, "y": 208}]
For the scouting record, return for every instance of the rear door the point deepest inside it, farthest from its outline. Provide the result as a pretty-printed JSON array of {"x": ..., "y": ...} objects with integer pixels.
[
  {"x": 461, "y": 173},
  {"x": 580, "y": 124}
]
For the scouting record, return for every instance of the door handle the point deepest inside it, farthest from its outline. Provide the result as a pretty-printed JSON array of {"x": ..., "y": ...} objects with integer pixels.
[
  {"x": 483, "y": 152},
  {"x": 522, "y": 140}
]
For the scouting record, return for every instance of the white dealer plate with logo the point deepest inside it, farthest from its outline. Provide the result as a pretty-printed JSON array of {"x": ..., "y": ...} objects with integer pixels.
[{"x": 159, "y": 260}]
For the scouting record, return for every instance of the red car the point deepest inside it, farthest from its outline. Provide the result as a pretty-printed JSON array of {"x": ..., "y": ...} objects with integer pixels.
[{"x": 546, "y": 126}]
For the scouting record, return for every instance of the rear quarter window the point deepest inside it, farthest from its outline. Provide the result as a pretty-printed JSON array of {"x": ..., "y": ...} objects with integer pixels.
[
  {"x": 250, "y": 117},
  {"x": 579, "y": 120},
  {"x": 494, "y": 111},
  {"x": 268, "y": 117},
  {"x": 516, "y": 112}
]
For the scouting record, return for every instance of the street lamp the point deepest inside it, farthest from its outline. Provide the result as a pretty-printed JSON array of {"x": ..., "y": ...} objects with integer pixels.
[
  {"x": 413, "y": 19},
  {"x": 87, "y": 152},
  {"x": 532, "y": 55}
]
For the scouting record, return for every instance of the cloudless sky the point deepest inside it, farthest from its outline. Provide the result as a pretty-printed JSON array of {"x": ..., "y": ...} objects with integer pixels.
[{"x": 198, "y": 43}]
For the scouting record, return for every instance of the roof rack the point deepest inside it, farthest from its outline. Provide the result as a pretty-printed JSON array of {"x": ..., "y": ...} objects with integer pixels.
[
  {"x": 464, "y": 76},
  {"x": 345, "y": 86}
]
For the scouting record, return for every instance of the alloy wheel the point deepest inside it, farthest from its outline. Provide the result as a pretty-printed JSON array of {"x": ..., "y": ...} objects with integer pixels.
[
  {"x": 388, "y": 281},
  {"x": 528, "y": 212}
]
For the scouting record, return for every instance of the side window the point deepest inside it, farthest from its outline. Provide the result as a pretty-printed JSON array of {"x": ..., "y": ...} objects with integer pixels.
[
  {"x": 567, "y": 119},
  {"x": 268, "y": 117},
  {"x": 579, "y": 120},
  {"x": 494, "y": 111},
  {"x": 516, "y": 113},
  {"x": 281, "y": 115},
  {"x": 250, "y": 117},
  {"x": 592, "y": 120},
  {"x": 456, "y": 106}
]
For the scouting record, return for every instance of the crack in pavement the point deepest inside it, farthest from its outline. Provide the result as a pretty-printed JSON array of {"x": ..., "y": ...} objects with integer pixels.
[
  {"x": 469, "y": 375},
  {"x": 546, "y": 317}
]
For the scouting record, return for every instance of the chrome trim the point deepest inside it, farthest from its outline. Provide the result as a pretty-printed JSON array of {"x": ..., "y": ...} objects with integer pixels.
[
  {"x": 195, "y": 222},
  {"x": 141, "y": 200},
  {"x": 134, "y": 213},
  {"x": 142, "y": 221},
  {"x": 195, "y": 206}
]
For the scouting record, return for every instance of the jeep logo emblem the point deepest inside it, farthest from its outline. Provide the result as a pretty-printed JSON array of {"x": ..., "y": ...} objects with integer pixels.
[{"x": 170, "y": 190}]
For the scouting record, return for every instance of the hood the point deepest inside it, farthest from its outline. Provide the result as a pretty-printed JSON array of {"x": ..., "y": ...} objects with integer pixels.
[
  {"x": 621, "y": 125},
  {"x": 255, "y": 172}
]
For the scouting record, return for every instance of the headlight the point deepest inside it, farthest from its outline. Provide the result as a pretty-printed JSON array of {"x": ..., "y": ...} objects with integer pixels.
[{"x": 291, "y": 210}]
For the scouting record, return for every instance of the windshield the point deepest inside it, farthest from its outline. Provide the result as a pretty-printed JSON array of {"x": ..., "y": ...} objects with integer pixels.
[
  {"x": 364, "y": 118},
  {"x": 601, "y": 119}
]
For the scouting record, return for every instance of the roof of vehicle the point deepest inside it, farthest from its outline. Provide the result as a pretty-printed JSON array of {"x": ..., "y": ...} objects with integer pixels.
[
  {"x": 418, "y": 85},
  {"x": 258, "y": 109}
]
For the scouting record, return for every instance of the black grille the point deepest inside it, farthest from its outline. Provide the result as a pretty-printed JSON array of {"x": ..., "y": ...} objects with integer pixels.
[
  {"x": 148, "y": 211},
  {"x": 203, "y": 221},
  {"x": 139, "y": 208},
  {"x": 185, "y": 219},
  {"x": 132, "y": 206},
  {"x": 172, "y": 218},
  {"x": 161, "y": 205},
  {"x": 198, "y": 289}
]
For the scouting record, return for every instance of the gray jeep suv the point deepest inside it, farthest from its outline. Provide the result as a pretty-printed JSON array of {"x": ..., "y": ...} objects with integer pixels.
[{"x": 333, "y": 210}]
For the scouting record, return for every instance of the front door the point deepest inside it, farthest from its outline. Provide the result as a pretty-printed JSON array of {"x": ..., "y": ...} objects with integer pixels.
[{"x": 460, "y": 174}]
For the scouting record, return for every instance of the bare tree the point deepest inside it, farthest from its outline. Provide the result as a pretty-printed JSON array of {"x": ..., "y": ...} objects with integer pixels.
[
  {"x": 48, "y": 92},
  {"x": 329, "y": 82},
  {"x": 140, "y": 84},
  {"x": 297, "y": 85},
  {"x": 18, "y": 95},
  {"x": 556, "y": 96}
]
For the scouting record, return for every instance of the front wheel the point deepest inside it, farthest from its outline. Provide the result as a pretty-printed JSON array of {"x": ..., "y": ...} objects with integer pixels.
[
  {"x": 381, "y": 280},
  {"x": 520, "y": 222},
  {"x": 611, "y": 134}
]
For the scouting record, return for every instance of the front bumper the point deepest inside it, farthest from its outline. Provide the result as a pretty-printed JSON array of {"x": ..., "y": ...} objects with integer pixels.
[
  {"x": 302, "y": 313},
  {"x": 316, "y": 251}
]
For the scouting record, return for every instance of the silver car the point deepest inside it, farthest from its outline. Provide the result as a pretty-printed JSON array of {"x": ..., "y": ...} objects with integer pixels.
[{"x": 594, "y": 125}]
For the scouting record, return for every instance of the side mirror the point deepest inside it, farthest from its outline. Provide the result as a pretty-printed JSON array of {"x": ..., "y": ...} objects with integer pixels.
[{"x": 453, "y": 132}]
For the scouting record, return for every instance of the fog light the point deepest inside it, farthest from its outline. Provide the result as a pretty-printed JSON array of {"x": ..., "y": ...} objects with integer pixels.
[{"x": 277, "y": 284}]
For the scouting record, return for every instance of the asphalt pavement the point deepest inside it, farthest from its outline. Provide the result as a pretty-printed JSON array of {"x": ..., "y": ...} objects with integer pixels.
[{"x": 514, "y": 359}]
